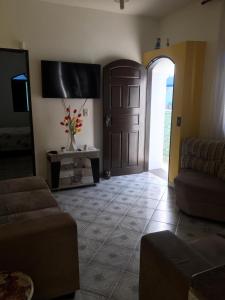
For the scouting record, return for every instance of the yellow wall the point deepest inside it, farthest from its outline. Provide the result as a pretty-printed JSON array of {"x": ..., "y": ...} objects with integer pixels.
[
  {"x": 196, "y": 22},
  {"x": 189, "y": 62}
]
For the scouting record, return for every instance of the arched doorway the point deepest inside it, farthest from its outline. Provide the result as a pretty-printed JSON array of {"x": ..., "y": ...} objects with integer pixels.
[
  {"x": 189, "y": 62},
  {"x": 160, "y": 98}
]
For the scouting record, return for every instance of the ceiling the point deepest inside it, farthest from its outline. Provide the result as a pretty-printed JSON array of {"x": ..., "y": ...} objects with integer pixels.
[{"x": 153, "y": 8}]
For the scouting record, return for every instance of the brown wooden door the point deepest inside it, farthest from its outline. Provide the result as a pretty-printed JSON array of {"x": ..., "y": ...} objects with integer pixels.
[{"x": 124, "y": 117}]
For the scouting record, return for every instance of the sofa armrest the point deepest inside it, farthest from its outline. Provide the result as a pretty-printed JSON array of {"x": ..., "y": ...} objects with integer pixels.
[
  {"x": 46, "y": 249},
  {"x": 166, "y": 267}
]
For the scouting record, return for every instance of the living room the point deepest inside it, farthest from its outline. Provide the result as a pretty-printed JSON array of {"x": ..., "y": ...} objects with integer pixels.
[{"x": 127, "y": 206}]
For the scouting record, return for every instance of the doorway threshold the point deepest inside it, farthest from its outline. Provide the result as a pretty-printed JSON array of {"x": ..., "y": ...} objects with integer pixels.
[{"x": 160, "y": 173}]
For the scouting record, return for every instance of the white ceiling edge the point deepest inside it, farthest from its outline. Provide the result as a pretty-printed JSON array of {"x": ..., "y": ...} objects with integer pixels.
[{"x": 146, "y": 8}]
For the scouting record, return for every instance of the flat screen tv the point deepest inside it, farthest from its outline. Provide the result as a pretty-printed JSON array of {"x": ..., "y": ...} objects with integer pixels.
[{"x": 70, "y": 80}]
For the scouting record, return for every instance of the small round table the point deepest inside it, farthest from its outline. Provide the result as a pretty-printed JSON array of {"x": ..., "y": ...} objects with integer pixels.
[{"x": 15, "y": 286}]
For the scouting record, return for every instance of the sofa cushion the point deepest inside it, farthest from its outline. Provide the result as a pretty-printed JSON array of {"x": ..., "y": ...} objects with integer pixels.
[
  {"x": 201, "y": 180},
  {"x": 30, "y": 215},
  {"x": 210, "y": 167},
  {"x": 14, "y": 203},
  {"x": 205, "y": 149},
  {"x": 22, "y": 184},
  {"x": 202, "y": 155}
]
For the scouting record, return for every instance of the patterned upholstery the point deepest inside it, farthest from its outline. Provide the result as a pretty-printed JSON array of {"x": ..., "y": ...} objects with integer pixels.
[{"x": 207, "y": 156}]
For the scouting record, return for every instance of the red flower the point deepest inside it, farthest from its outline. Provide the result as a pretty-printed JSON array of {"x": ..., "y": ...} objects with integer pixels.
[
  {"x": 61, "y": 123},
  {"x": 80, "y": 125},
  {"x": 68, "y": 109},
  {"x": 79, "y": 115},
  {"x": 74, "y": 111},
  {"x": 66, "y": 130}
]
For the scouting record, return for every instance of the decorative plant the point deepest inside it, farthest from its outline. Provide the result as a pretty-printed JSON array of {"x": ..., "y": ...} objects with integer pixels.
[
  {"x": 72, "y": 121},
  {"x": 73, "y": 124}
]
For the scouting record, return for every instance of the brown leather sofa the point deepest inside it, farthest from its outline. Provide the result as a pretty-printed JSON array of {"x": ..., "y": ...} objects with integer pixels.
[
  {"x": 37, "y": 238},
  {"x": 169, "y": 267},
  {"x": 200, "y": 184}
]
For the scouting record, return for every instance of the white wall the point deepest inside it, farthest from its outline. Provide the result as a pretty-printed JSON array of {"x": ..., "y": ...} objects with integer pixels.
[
  {"x": 60, "y": 32},
  {"x": 198, "y": 23}
]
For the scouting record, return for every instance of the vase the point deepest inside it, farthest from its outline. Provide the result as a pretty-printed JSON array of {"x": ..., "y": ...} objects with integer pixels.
[{"x": 72, "y": 143}]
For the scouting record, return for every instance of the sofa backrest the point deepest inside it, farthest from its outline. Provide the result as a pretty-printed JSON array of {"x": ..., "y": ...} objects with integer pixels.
[{"x": 207, "y": 156}]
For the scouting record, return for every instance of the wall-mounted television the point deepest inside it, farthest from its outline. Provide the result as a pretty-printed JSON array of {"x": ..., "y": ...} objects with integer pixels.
[{"x": 70, "y": 80}]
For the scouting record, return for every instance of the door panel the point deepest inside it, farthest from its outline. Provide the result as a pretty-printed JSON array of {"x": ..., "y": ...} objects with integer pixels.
[
  {"x": 124, "y": 117},
  {"x": 116, "y": 150}
]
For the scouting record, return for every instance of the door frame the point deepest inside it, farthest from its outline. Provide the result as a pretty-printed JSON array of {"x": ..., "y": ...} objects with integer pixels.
[
  {"x": 26, "y": 52},
  {"x": 143, "y": 73},
  {"x": 149, "y": 68},
  {"x": 189, "y": 60}
]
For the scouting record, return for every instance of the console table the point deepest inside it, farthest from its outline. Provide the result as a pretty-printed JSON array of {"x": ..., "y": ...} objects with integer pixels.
[{"x": 71, "y": 169}]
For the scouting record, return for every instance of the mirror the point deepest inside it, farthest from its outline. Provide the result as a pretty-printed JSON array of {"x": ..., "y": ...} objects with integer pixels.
[{"x": 16, "y": 130}]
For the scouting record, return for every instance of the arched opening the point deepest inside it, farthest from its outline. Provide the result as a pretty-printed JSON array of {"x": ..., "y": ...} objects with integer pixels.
[{"x": 161, "y": 81}]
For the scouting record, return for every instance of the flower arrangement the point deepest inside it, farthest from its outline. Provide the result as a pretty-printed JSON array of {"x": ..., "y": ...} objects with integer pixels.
[
  {"x": 72, "y": 121},
  {"x": 73, "y": 124}
]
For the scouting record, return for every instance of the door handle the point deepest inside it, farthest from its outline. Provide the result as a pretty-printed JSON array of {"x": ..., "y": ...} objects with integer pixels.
[{"x": 108, "y": 120}]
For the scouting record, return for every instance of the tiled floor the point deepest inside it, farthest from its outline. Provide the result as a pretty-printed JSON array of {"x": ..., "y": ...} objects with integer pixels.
[{"x": 112, "y": 217}]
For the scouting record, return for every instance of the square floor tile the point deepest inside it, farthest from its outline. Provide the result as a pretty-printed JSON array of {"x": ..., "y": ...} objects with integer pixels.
[
  {"x": 84, "y": 295},
  {"x": 127, "y": 288},
  {"x": 84, "y": 214},
  {"x": 97, "y": 204},
  {"x": 78, "y": 201},
  {"x": 154, "y": 226},
  {"x": 107, "y": 218},
  {"x": 140, "y": 212},
  {"x": 194, "y": 222},
  {"x": 111, "y": 188},
  {"x": 66, "y": 207},
  {"x": 100, "y": 279},
  {"x": 117, "y": 208},
  {"x": 81, "y": 226},
  {"x": 87, "y": 248},
  {"x": 190, "y": 233},
  {"x": 132, "y": 223},
  {"x": 124, "y": 237},
  {"x": 134, "y": 264},
  {"x": 147, "y": 202},
  {"x": 98, "y": 231},
  {"x": 125, "y": 199},
  {"x": 153, "y": 193},
  {"x": 169, "y": 195},
  {"x": 165, "y": 217},
  {"x": 132, "y": 191},
  {"x": 154, "y": 180},
  {"x": 115, "y": 256},
  {"x": 104, "y": 195},
  {"x": 84, "y": 193},
  {"x": 168, "y": 206}
]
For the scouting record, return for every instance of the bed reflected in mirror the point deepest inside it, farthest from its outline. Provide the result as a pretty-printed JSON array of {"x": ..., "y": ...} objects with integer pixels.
[{"x": 16, "y": 131}]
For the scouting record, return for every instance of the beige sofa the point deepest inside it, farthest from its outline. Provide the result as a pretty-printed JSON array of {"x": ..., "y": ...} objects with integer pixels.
[
  {"x": 169, "y": 267},
  {"x": 200, "y": 184},
  {"x": 37, "y": 238}
]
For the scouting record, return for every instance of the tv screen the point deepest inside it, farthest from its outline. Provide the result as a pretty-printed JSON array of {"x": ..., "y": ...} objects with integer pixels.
[{"x": 70, "y": 80}]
